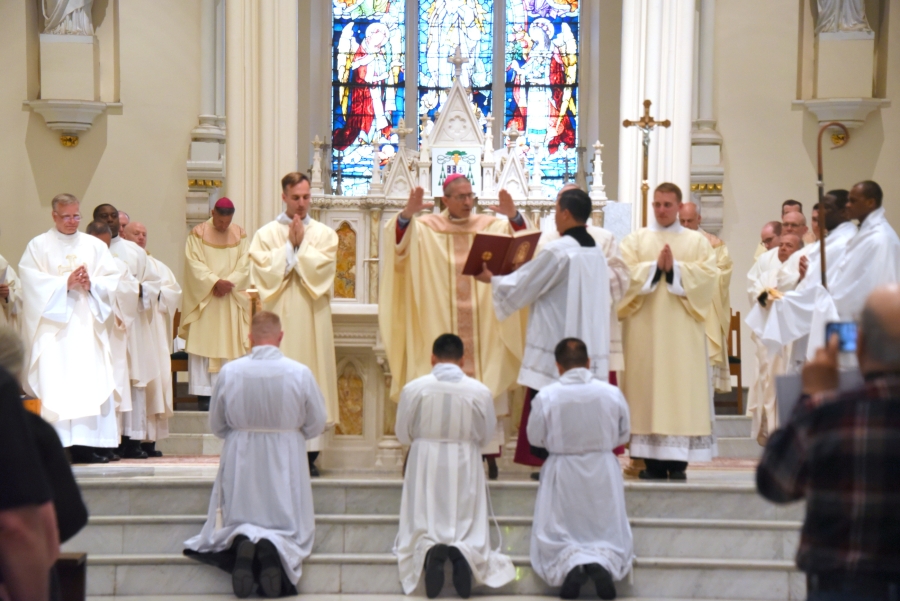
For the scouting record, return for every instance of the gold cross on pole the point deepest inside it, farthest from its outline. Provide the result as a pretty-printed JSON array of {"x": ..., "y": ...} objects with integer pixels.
[{"x": 646, "y": 125}]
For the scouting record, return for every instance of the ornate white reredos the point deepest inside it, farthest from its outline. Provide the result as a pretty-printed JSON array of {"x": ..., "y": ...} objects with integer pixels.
[
  {"x": 456, "y": 124},
  {"x": 399, "y": 174}
]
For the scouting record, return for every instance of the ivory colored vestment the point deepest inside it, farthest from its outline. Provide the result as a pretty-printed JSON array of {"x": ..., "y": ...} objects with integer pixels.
[
  {"x": 664, "y": 326},
  {"x": 296, "y": 286}
]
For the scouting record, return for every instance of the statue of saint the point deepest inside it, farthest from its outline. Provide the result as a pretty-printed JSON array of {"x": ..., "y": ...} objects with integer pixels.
[
  {"x": 842, "y": 15},
  {"x": 68, "y": 17}
]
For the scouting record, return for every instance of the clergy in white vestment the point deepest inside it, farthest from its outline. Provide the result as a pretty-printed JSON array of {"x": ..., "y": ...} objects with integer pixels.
[
  {"x": 144, "y": 367},
  {"x": 569, "y": 289},
  {"x": 666, "y": 379},
  {"x": 124, "y": 303},
  {"x": 67, "y": 279},
  {"x": 446, "y": 417},
  {"x": 164, "y": 306},
  {"x": 215, "y": 317},
  {"x": 870, "y": 258},
  {"x": 580, "y": 527},
  {"x": 10, "y": 296},
  {"x": 769, "y": 237},
  {"x": 718, "y": 320},
  {"x": 292, "y": 265},
  {"x": 266, "y": 407},
  {"x": 767, "y": 284}
]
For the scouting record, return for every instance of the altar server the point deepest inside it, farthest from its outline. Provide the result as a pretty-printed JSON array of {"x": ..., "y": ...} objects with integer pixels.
[
  {"x": 292, "y": 264},
  {"x": 68, "y": 278},
  {"x": 580, "y": 526},
  {"x": 446, "y": 417},
  {"x": 266, "y": 407},
  {"x": 569, "y": 288},
  {"x": 144, "y": 367},
  {"x": 215, "y": 317},
  {"x": 673, "y": 279},
  {"x": 164, "y": 307}
]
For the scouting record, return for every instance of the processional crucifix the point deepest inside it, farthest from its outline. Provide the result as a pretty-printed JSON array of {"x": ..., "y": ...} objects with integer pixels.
[{"x": 646, "y": 125}]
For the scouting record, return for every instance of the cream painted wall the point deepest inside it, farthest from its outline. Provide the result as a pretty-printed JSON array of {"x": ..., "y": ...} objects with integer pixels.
[
  {"x": 133, "y": 157},
  {"x": 769, "y": 146}
]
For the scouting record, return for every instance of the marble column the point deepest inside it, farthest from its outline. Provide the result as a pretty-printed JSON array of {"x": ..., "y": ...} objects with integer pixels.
[
  {"x": 261, "y": 88},
  {"x": 657, "y": 64},
  {"x": 206, "y": 163},
  {"x": 707, "y": 171}
]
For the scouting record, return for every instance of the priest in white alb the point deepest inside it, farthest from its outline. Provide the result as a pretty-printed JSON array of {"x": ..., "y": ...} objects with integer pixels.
[
  {"x": 124, "y": 303},
  {"x": 766, "y": 287},
  {"x": 292, "y": 264},
  {"x": 215, "y": 315},
  {"x": 424, "y": 294},
  {"x": 667, "y": 380},
  {"x": 871, "y": 258},
  {"x": 10, "y": 296},
  {"x": 260, "y": 525},
  {"x": 446, "y": 417},
  {"x": 580, "y": 528},
  {"x": 164, "y": 306},
  {"x": 718, "y": 320},
  {"x": 144, "y": 368},
  {"x": 67, "y": 279},
  {"x": 569, "y": 288}
]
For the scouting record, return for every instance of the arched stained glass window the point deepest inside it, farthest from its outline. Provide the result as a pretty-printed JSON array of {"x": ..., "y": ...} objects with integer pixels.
[
  {"x": 369, "y": 73},
  {"x": 445, "y": 25},
  {"x": 542, "y": 83}
]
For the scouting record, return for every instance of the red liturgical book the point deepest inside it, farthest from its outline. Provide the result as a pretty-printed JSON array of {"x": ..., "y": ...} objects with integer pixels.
[{"x": 502, "y": 253}]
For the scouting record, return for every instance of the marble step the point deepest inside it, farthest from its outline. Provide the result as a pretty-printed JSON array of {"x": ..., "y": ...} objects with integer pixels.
[
  {"x": 191, "y": 444},
  {"x": 739, "y": 448},
  {"x": 731, "y": 426},
  {"x": 342, "y": 533},
  {"x": 376, "y": 573},
  {"x": 197, "y": 422},
  {"x": 108, "y": 496}
]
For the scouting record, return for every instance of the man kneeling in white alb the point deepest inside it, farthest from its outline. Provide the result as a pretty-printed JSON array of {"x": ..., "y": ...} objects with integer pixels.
[
  {"x": 266, "y": 407},
  {"x": 580, "y": 526},
  {"x": 446, "y": 417}
]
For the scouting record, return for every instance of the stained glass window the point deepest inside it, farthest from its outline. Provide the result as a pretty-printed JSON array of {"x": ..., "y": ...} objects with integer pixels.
[
  {"x": 445, "y": 25},
  {"x": 542, "y": 84},
  {"x": 369, "y": 73}
]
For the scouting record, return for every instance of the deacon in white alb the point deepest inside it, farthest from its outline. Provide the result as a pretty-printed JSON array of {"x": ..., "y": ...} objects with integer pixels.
[
  {"x": 164, "y": 307},
  {"x": 68, "y": 279},
  {"x": 266, "y": 407},
  {"x": 446, "y": 417},
  {"x": 144, "y": 367},
  {"x": 124, "y": 303},
  {"x": 580, "y": 526}
]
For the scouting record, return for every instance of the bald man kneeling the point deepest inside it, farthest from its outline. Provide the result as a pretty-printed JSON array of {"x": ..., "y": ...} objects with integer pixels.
[{"x": 266, "y": 407}]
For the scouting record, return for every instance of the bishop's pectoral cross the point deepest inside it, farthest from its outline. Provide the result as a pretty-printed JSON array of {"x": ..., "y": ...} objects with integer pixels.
[{"x": 646, "y": 125}]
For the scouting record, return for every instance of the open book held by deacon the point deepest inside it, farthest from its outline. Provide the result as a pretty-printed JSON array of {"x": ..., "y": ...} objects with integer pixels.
[{"x": 502, "y": 253}]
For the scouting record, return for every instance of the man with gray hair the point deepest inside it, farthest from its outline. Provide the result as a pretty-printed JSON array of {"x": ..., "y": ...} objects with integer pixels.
[
  {"x": 68, "y": 279},
  {"x": 840, "y": 451}
]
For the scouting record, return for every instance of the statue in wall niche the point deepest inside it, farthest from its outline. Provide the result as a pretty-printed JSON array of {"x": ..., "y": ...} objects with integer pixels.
[
  {"x": 68, "y": 17},
  {"x": 842, "y": 15}
]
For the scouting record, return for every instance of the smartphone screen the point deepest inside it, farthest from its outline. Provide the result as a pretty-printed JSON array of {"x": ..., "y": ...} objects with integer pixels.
[{"x": 846, "y": 331}]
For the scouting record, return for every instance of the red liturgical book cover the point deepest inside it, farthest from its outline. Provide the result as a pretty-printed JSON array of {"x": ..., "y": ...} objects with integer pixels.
[{"x": 502, "y": 253}]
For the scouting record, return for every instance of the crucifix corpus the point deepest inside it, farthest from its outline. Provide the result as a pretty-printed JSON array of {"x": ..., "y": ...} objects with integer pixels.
[
  {"x": 646, "y": 125},
  {"x": 838, "y": 140}
]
